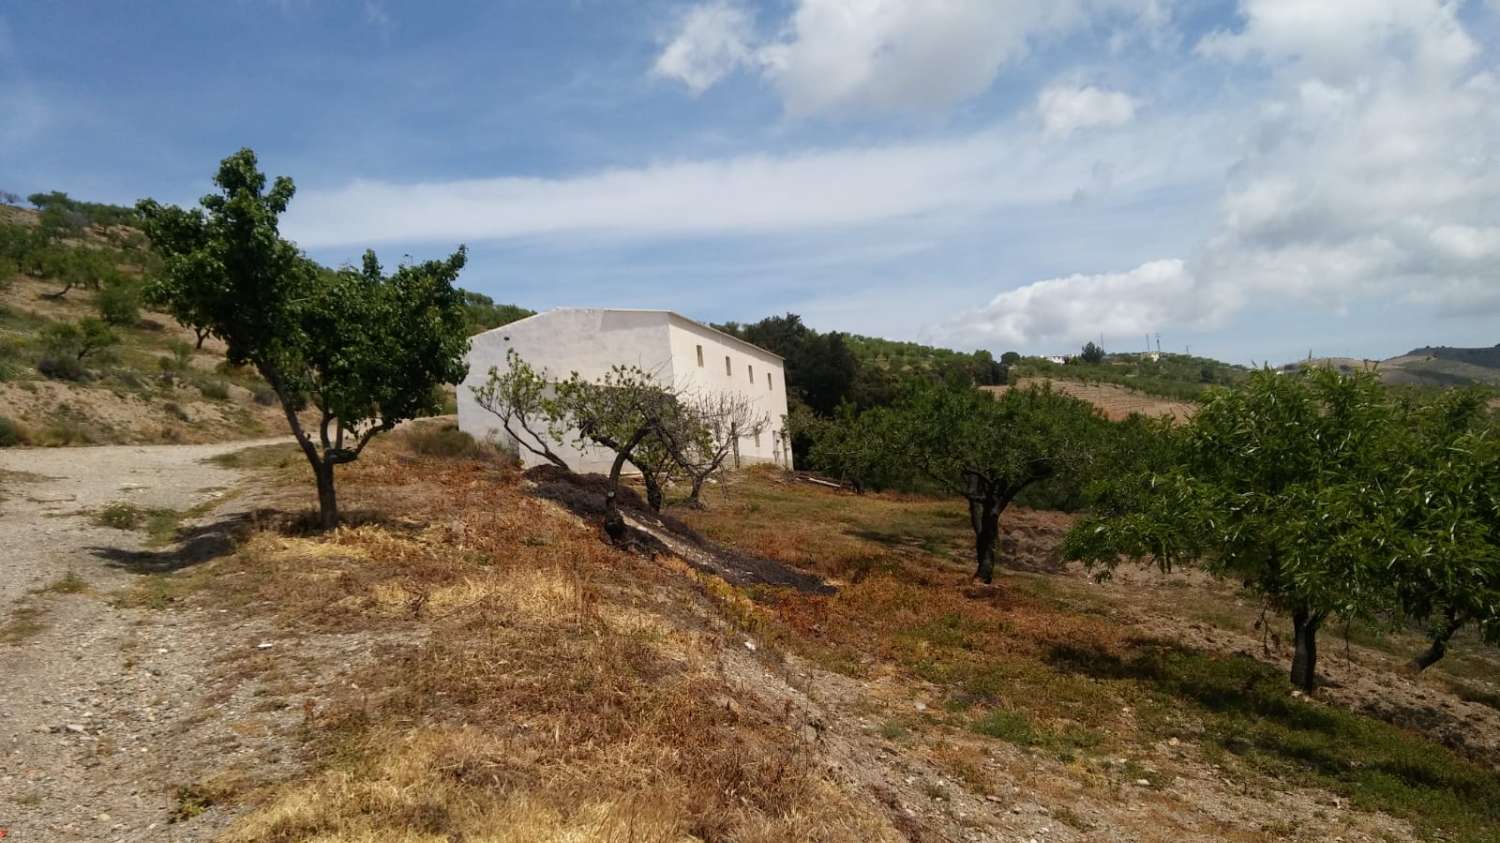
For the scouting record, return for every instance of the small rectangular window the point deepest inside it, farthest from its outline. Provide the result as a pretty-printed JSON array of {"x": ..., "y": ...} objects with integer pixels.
[
  {"x": 700, "y": 356},
  {"x": 751, "y": 370},
  {"x": 768, "y": 382},
  {"x": 728, "y": 367},
  {"x": 757, "y": 439}
]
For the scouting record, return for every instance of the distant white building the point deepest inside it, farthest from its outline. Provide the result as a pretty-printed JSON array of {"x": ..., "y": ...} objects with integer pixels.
[{"x": 680, "y": 352}]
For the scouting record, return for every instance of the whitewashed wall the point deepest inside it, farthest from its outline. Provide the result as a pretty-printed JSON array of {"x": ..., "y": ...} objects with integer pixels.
[{"x": 588, "y": 341}]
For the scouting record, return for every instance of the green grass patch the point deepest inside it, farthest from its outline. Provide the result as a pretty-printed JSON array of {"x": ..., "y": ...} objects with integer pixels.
[
  {"x": 24, "y": 622},
  {"x": 1249, "y": 712},
  {"x": 278, "y": 456},
  {"x": 69, "y": 583}
]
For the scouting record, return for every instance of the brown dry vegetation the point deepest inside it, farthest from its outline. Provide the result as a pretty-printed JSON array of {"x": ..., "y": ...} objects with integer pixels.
[
  {"x": 535, "y": 684},
  {"x": 1115, "y": 401},
  {"x": 525, "y": 681}
]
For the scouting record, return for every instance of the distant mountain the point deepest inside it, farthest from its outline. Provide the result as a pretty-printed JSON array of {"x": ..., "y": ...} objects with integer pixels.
[{"x": 1428, "y": 366}]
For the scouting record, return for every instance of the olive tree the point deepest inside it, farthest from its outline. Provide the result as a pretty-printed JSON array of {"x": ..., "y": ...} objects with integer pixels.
[
  {"x": 1281, "y": 484},
  {"x": 985, "y": 448},
  {"x": 365, "y": 350}
]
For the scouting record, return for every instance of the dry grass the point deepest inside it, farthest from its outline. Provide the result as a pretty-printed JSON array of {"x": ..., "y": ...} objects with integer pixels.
[
  {"x": 1057, "y": 667},
  {"x": 550, "y": 687}
]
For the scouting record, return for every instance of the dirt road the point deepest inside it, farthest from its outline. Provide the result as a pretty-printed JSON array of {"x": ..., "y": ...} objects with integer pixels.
[{"x": 100, "y": 705}]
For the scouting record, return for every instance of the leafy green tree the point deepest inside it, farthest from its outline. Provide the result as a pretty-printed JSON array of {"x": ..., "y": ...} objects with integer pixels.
[
  {"x": 119, "y": 301},
  {"x": 1010, "y": 358},
  {"x": 483, "y": 314},
  {"x": 1278, "y": 484},
  {"x": 622, "y": 411},
  {"x": 1448, "y": 493},
  {"x": 987, "y": 449},
  {"x": 67, "y": 345},
  {"x": 366, "y": 350},
  {"x": 1092, "y": 353}
]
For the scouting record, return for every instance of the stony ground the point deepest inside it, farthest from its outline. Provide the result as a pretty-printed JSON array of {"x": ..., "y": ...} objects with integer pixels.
[{"x": 109, "y": 706}]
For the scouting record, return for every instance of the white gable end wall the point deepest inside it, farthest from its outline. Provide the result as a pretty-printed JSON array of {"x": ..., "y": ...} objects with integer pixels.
[{"x": 590, "y": 342}]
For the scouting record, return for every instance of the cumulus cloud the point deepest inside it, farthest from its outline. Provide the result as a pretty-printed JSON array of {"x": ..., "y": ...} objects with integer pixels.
[
  {"x": 1117, "y": 304},
  {"x": 1371, "y": 173},
  {"x": 840, "y": 56},
  {"x": 712, "y": 41},
  {"x": 1066, "y": 108}
]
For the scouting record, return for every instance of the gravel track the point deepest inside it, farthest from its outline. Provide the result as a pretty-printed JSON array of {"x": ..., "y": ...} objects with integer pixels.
[{"x": 102, "y": 707}]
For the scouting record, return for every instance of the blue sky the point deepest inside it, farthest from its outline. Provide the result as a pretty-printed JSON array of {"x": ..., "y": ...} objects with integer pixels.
[{"x": 1255, "y": 179}]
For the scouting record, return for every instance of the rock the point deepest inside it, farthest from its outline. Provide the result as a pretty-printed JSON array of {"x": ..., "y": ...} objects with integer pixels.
[
  {"x": 921, "y": 706},
  {"x": 1143, "y": 782},
  {"x": 749, "y": 645}
]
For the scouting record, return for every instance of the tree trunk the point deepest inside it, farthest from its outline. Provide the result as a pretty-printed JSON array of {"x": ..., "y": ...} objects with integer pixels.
[
  {"x": 614, "y": 522},
  {"x": 1439, "y": 646},
  {"x": 697, "y": 490},
  {"x": 1305, "y": 625},
  {"x": 986, "y": 534},
  {"x": 653, "y": 490},
  {"x": 328, "y": 504},
  {"x": 202, "y": 335}
]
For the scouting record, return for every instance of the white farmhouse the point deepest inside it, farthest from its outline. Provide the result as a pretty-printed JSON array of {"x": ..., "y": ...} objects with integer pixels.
[{"x": 679, "y": 352}]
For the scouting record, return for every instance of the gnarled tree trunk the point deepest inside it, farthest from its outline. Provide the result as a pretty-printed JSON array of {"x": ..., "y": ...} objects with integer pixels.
[{"x": 328, "y": 502}]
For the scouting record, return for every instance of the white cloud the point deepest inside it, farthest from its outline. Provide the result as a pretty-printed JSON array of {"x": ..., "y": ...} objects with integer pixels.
[
  {"x": 837, "y": 56},
  {"x": 1066, "y": 108},
  {"x": 1371, "y": 173},
  {"x": 712, "y": 41},
  {"x": 1339, "y": 38},
  {"x": 1064, "y": 310},
  {"x": 957, "y": 178}
]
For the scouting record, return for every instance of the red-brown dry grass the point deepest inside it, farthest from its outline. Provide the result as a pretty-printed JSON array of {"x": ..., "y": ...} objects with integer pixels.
[
  {"x": 533, "y": 683},
  {"x": 1116, "y": 402}
]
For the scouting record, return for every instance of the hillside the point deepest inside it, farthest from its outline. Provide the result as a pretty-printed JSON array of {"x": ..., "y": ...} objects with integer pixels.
[
  {"x": 151, "y": 380},
  {"x": 468, "y": 655},
  {"x": 1429, "y": 366}
]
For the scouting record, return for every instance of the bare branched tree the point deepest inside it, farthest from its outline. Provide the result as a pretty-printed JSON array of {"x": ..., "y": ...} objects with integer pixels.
[{"x": 720, "y": 419}]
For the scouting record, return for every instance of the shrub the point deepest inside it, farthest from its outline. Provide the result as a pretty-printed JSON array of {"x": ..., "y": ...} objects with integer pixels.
[
  {"x": 214, "y": 390},
  {"x": 63, "y": 368},
  {"x": 120, "y": 515},
  {"x": 11, "y": 433},
  {"x": 443, "y": 441},
  {"x": 119, "y": 301},
  {"x": 78, "y": 340},
  {"x": 175, "y": 411},
  {"x": 265, "y": 396}
]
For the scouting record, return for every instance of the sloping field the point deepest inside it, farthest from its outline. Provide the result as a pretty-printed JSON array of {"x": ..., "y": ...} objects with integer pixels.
[{"x": 1117, "y": 402}]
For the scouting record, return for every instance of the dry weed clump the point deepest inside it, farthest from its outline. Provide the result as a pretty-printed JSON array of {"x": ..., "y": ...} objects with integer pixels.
[{"x": 553, "y": 688}]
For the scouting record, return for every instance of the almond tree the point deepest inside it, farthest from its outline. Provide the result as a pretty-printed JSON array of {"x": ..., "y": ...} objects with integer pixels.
[
  {"x": 1284, "y": 485},
  {"x": 364, "y": 349},
  {"x": 716, "y": 422},
  {"x": 1448, "y": 493},
  {"x": 519, "y": 398},
  {"x": 986, "y": 449}
]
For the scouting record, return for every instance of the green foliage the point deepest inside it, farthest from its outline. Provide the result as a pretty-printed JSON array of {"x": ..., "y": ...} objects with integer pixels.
[
  {"x": 66, "y": 345},
  {"x": 1280, "y": 485},
  {"x": 1177, "y": 376},
  {"x": 520, "y": 399},
  {"x": 10, "y": 433},
  {"x": 482, "y": 314},
  {"x": 119, "y": 301},
  {"x": 364, "y": 348},
  {"x": 1092, "y": 353},
  {"x": 969, "y": 443},
  {"x": 1448, "y": 497},
  {"x": 58, "y": 205}
]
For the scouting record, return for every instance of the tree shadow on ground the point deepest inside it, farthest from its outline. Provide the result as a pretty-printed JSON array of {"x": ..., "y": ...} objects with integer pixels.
[
  {"x": 199, "y": 543},
  {"x": 1251, "y": 711}
]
